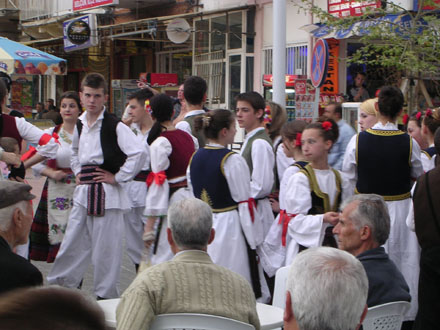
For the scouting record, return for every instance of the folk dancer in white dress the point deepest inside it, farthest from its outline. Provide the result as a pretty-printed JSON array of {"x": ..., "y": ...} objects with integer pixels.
[
  {"x": 384, "y": 160},
  {"x": 272, "y": 252},
  {"x": 430, "y": 123},
  {"x": 170, "y": 150},
  {"x": 52, "y": 214},
  {"x": 105, "y": 153},
  {"x": 141, "y": 122},
  {"x": 314, "y": 193},
  {"x": 258, "y": 152},
  {"x": 221, "y": 178}
]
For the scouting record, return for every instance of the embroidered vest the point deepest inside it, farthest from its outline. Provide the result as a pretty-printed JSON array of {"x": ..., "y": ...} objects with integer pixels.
[
  {"x": 320, "y": 200},
  {"x": 183, "y": 149},
  {"x": 114, "y": 158},
  {"x": 383, "y": 160},
  {"x": 208, "y": 178},
  {"x": 247, "y": 152},
  {"x": 8, "y": 128},
  {"x": 430, "y": 152},
  {"x": 199, "y": 135}
]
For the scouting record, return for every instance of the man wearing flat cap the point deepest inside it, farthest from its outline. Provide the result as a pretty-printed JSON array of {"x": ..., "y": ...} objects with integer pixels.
[{"x": 15, "y": 223}]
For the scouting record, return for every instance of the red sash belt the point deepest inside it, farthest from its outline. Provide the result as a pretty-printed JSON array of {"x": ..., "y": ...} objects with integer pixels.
[
  {"x": 284, "y": 221},
  {"x": 158, "y": 178},
  {"x": 251, "y": 204}
]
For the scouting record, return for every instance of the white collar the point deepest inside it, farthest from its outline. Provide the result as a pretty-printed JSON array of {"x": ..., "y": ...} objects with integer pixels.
[
  {"x": 388, "y": 126},
  {"x": 253, "y": 132}
]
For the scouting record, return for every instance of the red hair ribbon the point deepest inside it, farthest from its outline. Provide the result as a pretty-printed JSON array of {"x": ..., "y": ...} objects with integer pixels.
[
  {"x": 405, "y": 119},
  {"x": 251, "y": 205},
  {"x": 418, "y": 115},
  {"x": 326, "y": 125},
  {"x": 284, "y": 221},
  {"x": 44, "y": 139},
  {"x": 298, "y": 140},
  {"x": 377, "y": 93},
  {"x": 428, "y": 113},
  {"x": 159, "y": 178}
]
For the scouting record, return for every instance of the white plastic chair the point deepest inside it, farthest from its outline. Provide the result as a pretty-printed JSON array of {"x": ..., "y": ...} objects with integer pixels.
[
  {"x": 189, "y": 321},
  {"x": 387, "y": 316},
  {"x": 279, "y": 292}
]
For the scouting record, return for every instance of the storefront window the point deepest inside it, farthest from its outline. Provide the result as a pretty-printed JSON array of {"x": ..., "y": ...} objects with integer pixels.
[
  {"x": 250, "y": 18},
  {"x": 234, "y": 76},
  {"x": 249, "y": 73},
  {"x": 235, "y": 29},
  {"x": 218, "y": 36},
  {"x": 201, "y": 37}
]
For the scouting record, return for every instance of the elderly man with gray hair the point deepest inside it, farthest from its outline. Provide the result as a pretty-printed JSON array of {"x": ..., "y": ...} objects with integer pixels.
[
  {"x": 364, "y": 225},
  {"x": 190, "y": 282},
  {"x": 326, "y": 289},
  {"x": 15, "y": 224}
]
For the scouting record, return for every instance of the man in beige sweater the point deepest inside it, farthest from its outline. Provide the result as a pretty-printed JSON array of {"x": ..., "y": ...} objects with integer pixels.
[{"x": 190, "y": 282}]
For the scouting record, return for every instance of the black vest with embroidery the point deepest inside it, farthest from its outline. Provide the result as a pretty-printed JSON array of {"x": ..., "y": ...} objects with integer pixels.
[
  {"x": 208, "y": 178},
  {"x": 114, "y": 158},
  {"x": 320, "y": 200},
  {"x": 383, "y": 160}
]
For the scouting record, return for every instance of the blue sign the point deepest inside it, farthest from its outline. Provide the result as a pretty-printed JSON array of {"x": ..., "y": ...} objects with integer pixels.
[{"x": 319, "y": 63}]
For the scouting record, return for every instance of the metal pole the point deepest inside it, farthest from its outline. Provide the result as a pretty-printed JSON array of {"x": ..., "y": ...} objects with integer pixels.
[{"x": 279, "y": 52}]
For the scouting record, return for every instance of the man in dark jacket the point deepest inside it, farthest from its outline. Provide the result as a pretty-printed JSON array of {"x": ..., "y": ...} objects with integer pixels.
[
  {"x": 427, "y": 225},
  {"x": 15, "y": 223},
  {"x": 364, "y": 225}
]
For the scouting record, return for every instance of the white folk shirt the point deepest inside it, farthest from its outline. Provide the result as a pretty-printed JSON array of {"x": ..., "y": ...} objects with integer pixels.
[
  {"x": 88, "y": 151},
  {"x": 32, "y": 134}
]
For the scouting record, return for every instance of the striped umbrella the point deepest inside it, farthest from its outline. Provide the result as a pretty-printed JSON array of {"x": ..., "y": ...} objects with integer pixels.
[{"x": 16, "y": 58}]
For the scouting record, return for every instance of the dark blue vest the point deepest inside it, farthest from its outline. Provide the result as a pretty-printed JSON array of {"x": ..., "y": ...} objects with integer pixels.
[
  {"x": 383, "y": 160},
  {"x": 430, "y": 152},
  {"x": 208, "y": 178}
]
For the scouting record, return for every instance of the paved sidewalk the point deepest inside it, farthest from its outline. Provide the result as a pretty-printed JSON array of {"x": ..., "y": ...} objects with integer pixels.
[{"x": 127, "y": 269}]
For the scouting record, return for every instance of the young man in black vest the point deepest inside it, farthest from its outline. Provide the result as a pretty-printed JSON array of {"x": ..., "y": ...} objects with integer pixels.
[{"x": 105, "y": 153}]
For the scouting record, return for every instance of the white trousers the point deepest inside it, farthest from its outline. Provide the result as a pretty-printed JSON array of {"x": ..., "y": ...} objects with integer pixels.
[
  {"x": 134, "y": 229},
  {"x": 91, "y": 239}
]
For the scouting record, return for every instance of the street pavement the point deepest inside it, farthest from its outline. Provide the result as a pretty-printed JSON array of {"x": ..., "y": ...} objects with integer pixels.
[{"x": 127, "y": 269}]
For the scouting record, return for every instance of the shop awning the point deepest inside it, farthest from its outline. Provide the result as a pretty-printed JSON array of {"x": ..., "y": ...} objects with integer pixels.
[{"x": 398, "y": 22}]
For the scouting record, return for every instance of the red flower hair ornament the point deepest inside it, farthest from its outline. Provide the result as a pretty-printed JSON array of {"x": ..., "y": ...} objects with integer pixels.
[
  {"x": 148, "y": 107},
  {"x": 418, "y": 115},
  {"x": 428, "y": 113},
  {"x": 326, "y": 125},
  {"x": 405, "y": 119},
  {"x": 298, "y": 140}
]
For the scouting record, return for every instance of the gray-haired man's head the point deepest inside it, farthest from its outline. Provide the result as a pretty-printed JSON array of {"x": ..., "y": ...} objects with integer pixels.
[
  {"x": 363, "y": 224},
  {"x": 327, "y": 289},
  {"x": 190, "y": 222}
]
